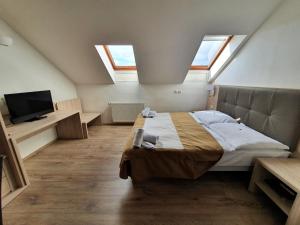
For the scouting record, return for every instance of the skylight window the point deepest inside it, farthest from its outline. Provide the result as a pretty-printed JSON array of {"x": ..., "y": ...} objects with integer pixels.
[
  {"x": 121, "y": 57},
  {"x": 119, "y": 61},
  {"x": 210, "y": 49}
]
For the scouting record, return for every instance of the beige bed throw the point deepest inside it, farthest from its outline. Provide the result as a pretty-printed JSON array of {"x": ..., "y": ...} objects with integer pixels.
[{"x": 200, "y": 152}]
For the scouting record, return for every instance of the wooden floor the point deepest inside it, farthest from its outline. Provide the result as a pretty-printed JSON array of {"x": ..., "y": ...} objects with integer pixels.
[{"x": 77, "y": 183}]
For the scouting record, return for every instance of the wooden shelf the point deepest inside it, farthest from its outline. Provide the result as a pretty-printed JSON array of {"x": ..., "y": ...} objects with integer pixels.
[
  {"x": 286, "y": 171},
  {"x": 284, "y": 204},
  {"x": 88, "y": 117},
  {"x": 25, "y": 130},
  {"x": 8, "y": 198}
]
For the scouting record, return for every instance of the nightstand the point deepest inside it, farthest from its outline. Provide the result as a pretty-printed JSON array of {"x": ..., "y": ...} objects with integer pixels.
[{"x": 286, "y": 171}]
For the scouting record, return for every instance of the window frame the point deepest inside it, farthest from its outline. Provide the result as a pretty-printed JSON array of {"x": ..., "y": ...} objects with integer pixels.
[
  {"x": 112, "y": 62},
  {"x": 198, "y": 67}
]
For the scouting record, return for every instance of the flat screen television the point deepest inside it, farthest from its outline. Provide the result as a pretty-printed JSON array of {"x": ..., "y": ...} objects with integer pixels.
[{"x": 29, "y": 106}]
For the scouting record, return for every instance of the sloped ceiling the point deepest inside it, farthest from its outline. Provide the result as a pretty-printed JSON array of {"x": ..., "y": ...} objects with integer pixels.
[{"x": 165, "y": 33}]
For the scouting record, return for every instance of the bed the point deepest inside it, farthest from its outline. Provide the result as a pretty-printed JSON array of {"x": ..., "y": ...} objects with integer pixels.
[{"x": 272, "y": 112}]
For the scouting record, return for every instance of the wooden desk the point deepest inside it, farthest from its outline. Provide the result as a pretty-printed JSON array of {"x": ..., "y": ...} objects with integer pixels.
[
  {"x": 68, "y": 126},
  {"x": 90, "y": 117},
  {"x": 288, "y": 172},
  {"x": 86, "y": 117}
]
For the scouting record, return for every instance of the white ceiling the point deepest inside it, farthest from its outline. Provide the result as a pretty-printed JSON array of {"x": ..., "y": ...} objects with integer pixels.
[{"x": 165, "y": 34}]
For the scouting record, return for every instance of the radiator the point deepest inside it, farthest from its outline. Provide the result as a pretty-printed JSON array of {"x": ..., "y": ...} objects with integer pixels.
[{"x": 125, "y": 112}]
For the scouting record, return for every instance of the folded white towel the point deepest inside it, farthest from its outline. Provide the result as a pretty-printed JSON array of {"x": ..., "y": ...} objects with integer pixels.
[
  {"x": 152, "y": 114},
  {"x": 148, "y": 145},
  {"x": 144, "y": 140},
  {"x": 147, "y": 113},
  {"x": 150, "y": 138},
  {"x": 138, "y": 138}
]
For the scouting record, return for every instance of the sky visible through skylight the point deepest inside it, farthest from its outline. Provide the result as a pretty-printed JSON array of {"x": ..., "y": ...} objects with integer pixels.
[
  {"x": 122, "y": 55},
  {"x": 207, "y": 51}
]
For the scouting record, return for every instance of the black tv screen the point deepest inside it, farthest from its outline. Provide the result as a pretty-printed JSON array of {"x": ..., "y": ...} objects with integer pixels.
[{"x": 28, "y": 106}]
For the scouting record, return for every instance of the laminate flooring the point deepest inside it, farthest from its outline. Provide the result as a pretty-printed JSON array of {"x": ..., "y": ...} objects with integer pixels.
[{"x": 76, "y": 182}]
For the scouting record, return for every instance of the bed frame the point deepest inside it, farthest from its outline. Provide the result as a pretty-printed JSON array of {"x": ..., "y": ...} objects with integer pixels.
[{"x": 273, "y": 112}]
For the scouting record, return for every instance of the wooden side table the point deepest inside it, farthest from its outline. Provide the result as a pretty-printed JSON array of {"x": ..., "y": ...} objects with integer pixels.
[{"x": 286, "y": 171}]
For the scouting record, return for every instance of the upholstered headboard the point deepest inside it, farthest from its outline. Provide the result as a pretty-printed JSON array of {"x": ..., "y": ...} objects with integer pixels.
[{"x": 273, "y": 112}]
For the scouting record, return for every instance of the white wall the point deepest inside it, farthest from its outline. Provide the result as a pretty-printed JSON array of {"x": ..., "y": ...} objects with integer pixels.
[
  {"x": 271, "y": 56},
  {"x": 23, "y": 69},
  {"x": 95, "y": 98}
]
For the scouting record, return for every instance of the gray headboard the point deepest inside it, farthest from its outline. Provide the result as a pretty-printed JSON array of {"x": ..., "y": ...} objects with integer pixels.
[{"x": 273, "y": 112}]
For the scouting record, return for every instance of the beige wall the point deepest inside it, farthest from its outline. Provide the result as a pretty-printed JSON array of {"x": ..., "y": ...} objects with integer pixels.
[
  {"x": 95, "y": 98},
  {"x": 271, "y": 56},
  {"x": 22, "y": 69}
]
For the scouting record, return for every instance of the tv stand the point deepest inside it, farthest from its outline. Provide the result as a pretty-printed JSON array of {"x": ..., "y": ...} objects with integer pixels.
[
  {"x": 68, "y": 126},
  {"x": 37, "y": 118}
]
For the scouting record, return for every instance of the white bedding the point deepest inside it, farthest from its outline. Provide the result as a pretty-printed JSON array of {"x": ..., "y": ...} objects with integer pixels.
[
  {"x": 243, "y": 159},
  {"x": 239, "y": 136},
  {"x": 162, "y": 125},
  {"x": 239, "y": 159},
  {"x": 208, "y": 117},
  {"x": 235, "y": 136}
]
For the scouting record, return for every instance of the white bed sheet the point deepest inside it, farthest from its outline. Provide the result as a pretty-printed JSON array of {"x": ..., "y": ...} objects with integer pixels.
[
  {"x": 239, "y": 136},
  {"x": 162, "y": 126},
  {"x": 241, "y": 160},
  {"x": 234, "y": 136}
]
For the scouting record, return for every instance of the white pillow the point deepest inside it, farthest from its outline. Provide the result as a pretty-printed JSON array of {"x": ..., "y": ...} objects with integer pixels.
[
  {"x": 239, "y": 136},
  {"x": 211, "y": 116}
]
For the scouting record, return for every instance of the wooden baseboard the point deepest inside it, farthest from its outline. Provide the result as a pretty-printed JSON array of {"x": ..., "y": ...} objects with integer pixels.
[
  {"x": 39, "y": 149},
  {"x": 121, "y": 124}
]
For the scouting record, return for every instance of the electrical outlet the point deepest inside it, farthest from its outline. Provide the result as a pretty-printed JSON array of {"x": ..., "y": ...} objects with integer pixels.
[{"x": 177, "y": 91}]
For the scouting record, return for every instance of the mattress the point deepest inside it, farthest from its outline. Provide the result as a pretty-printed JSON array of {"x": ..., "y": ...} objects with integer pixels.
[{"x": 242, "y": 160}]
